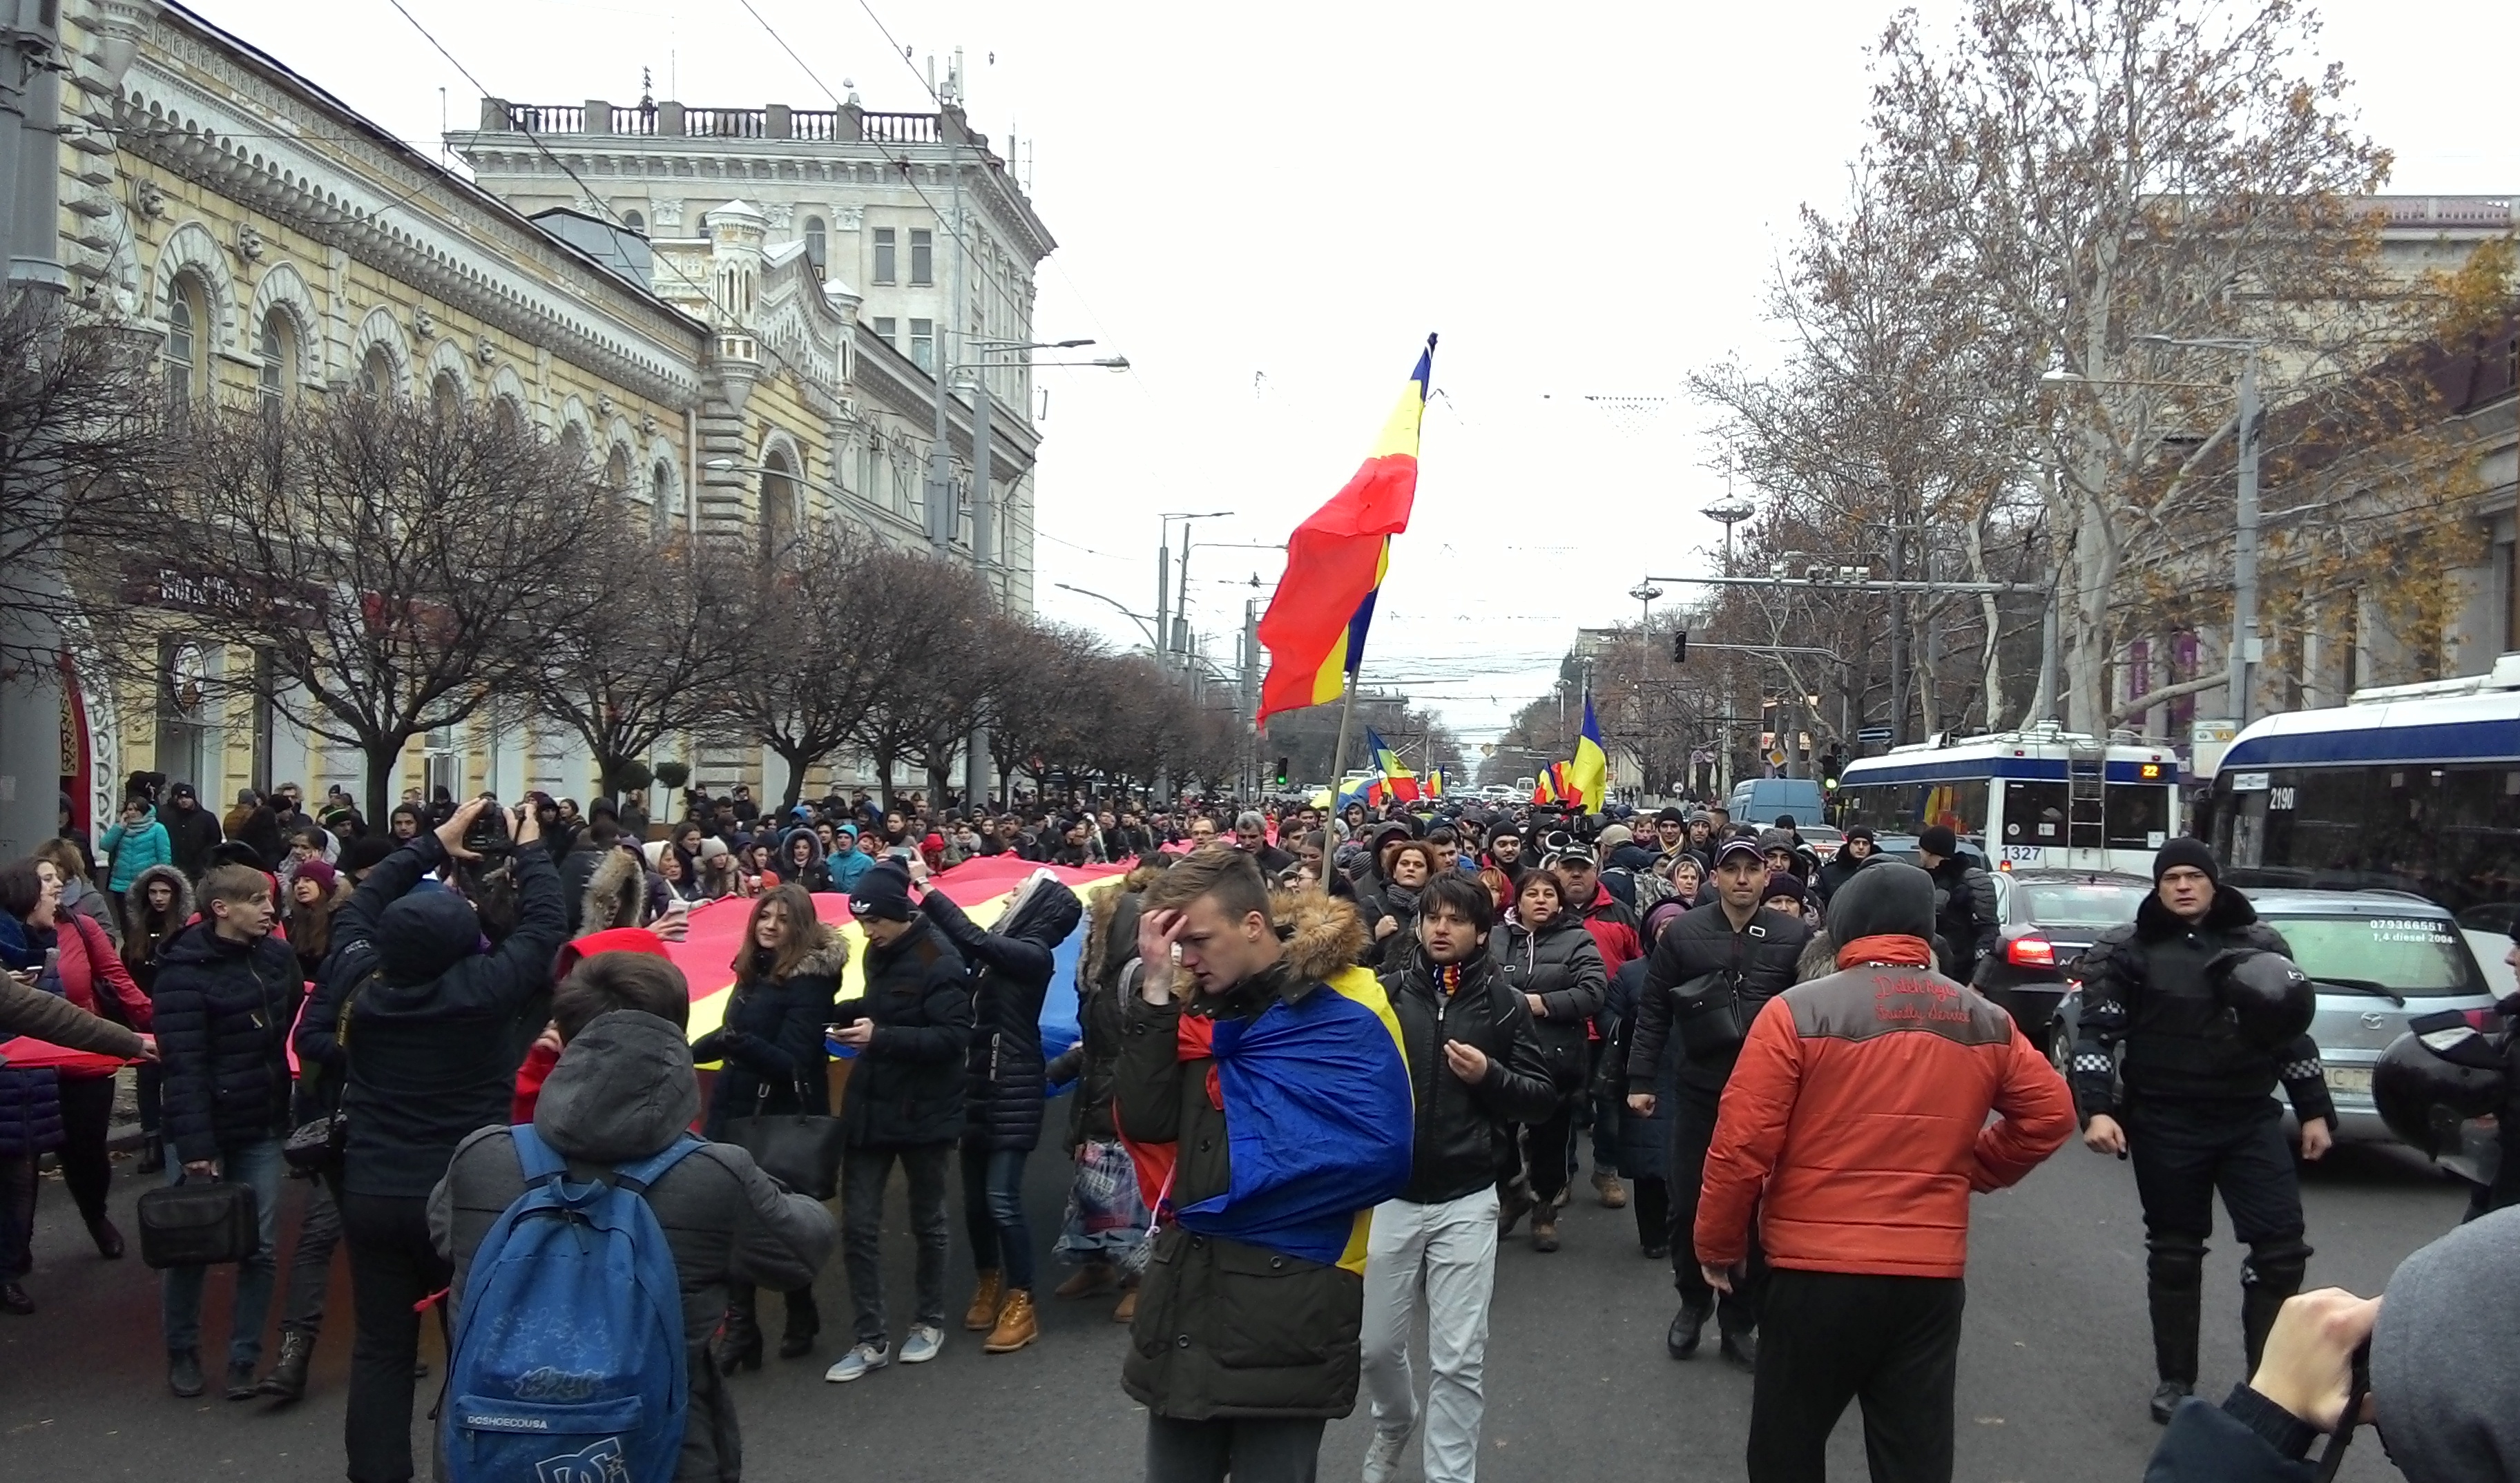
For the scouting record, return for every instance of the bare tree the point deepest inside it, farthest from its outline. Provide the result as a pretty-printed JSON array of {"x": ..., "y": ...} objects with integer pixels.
[
  {"x": 81, "y": 459},
  {"x": 398, "y": 566},
  {"x": 655, "y": 652},
  {"x": 1042, "y": 673}
]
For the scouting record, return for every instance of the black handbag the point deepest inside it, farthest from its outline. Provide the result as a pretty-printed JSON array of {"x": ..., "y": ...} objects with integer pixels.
[
  {"x": 1709, "y": 1017},
  {"x": 314, "y": 1148},
  {"x": 800, "y": 1149},
  {"x": 198, "y": 1225}
]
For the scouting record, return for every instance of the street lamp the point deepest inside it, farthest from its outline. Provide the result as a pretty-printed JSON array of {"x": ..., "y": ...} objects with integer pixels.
[
  {"x": 1174, "y": 637},
  {"x": 1138, "y": 618},
  {"x": 1730, "y": 513}
]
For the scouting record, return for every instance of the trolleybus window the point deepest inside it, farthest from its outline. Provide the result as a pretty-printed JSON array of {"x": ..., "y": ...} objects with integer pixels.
[
  {"x": 2034, "y": 813},
  {"x": 2137, "y": 815}
]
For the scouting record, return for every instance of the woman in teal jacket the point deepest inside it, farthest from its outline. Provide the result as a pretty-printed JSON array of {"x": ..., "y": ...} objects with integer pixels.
[{"x": 138, "y": 843}]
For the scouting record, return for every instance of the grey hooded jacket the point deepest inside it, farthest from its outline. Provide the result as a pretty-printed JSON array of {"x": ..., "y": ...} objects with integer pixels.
[{"x": 622, "y": 1091}]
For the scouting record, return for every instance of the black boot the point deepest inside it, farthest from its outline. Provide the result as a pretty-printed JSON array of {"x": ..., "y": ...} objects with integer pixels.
[
  {"x": 153, "y": 1155},
  {"x": 1686, "y": 1326},
  {"x": 739, "y": 1345},
  {"x": 804, "y": 1321},
  {"x": 287, "y": 1378},
  {"x": 2174, "y": 1321},
  {"x": 2259, "y": 1304}
]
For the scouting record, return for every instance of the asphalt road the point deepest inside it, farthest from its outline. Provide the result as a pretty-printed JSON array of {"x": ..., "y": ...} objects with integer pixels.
[{"x": 2054, "y": 1367}]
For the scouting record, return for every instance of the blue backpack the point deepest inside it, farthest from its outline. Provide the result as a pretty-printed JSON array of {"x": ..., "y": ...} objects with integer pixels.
[{"x": 568, "y": 1363}]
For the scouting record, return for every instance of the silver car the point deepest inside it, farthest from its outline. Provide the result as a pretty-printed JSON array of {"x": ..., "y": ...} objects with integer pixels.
[{"x": 2378, "y": 960}]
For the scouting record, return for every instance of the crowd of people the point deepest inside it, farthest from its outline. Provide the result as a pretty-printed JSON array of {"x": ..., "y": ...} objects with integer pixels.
[{"x": 1775, "y": 1060}]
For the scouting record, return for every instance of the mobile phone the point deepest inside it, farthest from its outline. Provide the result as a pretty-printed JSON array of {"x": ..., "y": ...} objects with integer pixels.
[
  {"x": 900, "y": 852},
  {"x": 676, "y": 907},
  {"x": 52, "y": 962}
]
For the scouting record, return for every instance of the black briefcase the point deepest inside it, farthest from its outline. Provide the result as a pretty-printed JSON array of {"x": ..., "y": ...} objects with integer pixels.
[{"x": 198, "y": 1225}]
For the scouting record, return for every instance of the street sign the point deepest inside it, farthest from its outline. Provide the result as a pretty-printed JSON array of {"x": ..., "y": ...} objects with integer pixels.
[
  {"x": 1778, "y": 758},
  {"x": 1873, "y": 734}
]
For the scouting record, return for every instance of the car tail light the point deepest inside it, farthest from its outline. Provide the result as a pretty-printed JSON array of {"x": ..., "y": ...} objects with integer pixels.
[{"x": 2031, "y": 952}]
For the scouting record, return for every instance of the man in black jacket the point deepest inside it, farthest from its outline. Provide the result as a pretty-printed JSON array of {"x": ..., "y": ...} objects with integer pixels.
[
  {"x": 1707, "y": 977},
  {"x": 2198, "y": 1111},
  {"x": 439, "y": 1022},
  {"x": 1963, "y": 903},
  {"x": 904, "y": 1102},
  {"x": 1475, "y": 1062},
  {"x": 226, "y": 992},
  {"x": 192, "y": 830}
]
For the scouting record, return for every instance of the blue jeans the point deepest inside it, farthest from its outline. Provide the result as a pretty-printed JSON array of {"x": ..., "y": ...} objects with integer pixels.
[
  {"x": 993, "y": 1213},
  {"x": 258, "y": 1165}
]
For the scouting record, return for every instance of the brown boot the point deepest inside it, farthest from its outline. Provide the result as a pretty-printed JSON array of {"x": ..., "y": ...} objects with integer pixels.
[
  {"x": 982, "y": 1316},
  {"x": 1092, "y": 1280},
  {"x": 1544, "y": 1231},
  {"x": 1127, "y": 1312},
  {"x": 1614, "y": 1196},
  {"x": 1016, "y": 1327}
]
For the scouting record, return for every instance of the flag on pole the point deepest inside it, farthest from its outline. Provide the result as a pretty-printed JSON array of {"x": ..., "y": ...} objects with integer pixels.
[
  {"x": 1588, "y": 777},
  {"x": 1397, "y": 778},
  {"x": 1540, "y": 790},
  {"x": 1315, "y": 624}
]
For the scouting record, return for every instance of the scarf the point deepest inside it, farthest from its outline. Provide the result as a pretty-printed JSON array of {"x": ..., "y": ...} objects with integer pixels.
[{"x": 1893, "y": 948}]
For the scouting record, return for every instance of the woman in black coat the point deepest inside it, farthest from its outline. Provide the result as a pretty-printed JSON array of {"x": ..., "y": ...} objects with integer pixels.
[
  {"x": 1549, "y": 957},
  {"x": 1004, "y": 1084},
  {"x": 1645, "y": 1141},
  {"x": 770, "y": 1044}
]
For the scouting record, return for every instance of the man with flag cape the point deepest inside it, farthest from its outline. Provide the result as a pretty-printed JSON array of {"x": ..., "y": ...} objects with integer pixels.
[{"x": 1264, "y": 1097}]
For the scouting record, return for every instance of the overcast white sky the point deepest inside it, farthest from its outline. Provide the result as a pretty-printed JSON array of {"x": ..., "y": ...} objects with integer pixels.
[{"x": 1267, "y": 212}]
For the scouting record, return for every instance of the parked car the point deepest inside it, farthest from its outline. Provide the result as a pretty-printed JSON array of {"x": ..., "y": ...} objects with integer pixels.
[
  {"x": 1759, "y": 800},
  {"x": 2046, "y": 919},
  {"x": 2378, "y": 959}
]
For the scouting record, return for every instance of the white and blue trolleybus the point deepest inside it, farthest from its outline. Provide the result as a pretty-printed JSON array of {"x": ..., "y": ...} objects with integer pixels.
[
  {"x": 2037, "y": 799},
  {"x": 2411, "y": 787}
]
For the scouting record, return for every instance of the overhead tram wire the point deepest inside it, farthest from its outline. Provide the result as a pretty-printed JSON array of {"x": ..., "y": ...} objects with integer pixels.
[{"x": 585, "y": 190}]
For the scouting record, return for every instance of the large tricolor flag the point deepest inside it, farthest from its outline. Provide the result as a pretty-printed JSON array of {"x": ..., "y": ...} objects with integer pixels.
[
  {"x": 1315, "y": 627},
  {"x": 1396, "y": 780},
  {"x": 1588, "y": 777}
]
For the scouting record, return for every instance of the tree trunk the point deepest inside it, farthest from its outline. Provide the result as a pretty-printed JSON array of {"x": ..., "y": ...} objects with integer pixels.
[
  {"x": 884, "y": 758},
  {"x": 796, "y": 762},
  {"x": 385, "y": 756}
]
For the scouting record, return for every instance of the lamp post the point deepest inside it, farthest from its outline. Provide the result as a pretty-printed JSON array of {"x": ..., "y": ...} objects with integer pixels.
[
  {"x": 1172, "y": 625},
  {"x": 1138, "y": 618},
  {"x": 1728, "y": 513}
]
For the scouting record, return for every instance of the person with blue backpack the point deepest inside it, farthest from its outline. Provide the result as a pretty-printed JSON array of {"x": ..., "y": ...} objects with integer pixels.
[{"x": 597, "y": 1243}]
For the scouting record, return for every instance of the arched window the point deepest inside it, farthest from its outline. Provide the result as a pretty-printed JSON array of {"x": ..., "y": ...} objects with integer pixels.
[
  {"x": 377, "y": 372},
  {"x": 505, "y": 418},
  {"x": 188, "y": 372},
  {"x": 572, "y": 445},
  {"x": 616, "y": 470},
  {"x": 277, "y": 343},
  {"x": 445, "y": 397},
  {"x": 660, "y": 491},
  {"x": 634, "y": 222},
  {"x": 777, "y": 501},
  {"x": 816, "y": 245}
]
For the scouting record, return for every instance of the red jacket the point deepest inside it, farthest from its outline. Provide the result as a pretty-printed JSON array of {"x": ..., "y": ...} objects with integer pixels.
[
  {"x": 1855, "y": 1120},
  {"x": 91, "y": 970},
  {"x": 1607, "y": 918}
]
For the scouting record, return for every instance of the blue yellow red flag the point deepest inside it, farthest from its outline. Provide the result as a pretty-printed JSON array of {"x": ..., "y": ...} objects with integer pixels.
[
  {"x": 1397, "y": 778},
  {"x": 1588, "y": 776},
  {"x": 1335, "y": 560}
]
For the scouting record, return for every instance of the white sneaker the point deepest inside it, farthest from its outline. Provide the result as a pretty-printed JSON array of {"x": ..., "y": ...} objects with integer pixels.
[
  {"x": 923, "y": 1343},
  {"x": 1385, "y": 1453},
  {"x": 858, "y": 1361}
]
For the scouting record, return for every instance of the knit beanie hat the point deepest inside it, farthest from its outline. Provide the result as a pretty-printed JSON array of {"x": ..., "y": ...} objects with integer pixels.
[
  {"x": 1887, "y": 898},
  {"x": 2442, "y": 1368},
  {"x": 1939, "y": 841},
  {"x": 2193, "y": 853},
  {"x": 881, "y": 895}
]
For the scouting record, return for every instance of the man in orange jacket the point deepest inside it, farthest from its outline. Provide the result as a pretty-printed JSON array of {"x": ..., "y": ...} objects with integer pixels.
[{"x": 1856, "y": 1125}]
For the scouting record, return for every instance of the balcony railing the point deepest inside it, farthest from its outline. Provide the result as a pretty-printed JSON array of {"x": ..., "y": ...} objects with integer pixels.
[{"x": 845, "y": 124}]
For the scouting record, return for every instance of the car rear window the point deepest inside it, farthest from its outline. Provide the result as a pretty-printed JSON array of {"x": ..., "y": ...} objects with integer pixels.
[
  {"x": 2083, "y": 903},
  {"x": 2407, "y": 954}
]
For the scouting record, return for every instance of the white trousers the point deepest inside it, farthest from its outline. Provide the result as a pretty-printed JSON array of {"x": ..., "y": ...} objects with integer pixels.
[{"x": 1449, "y": 1251}]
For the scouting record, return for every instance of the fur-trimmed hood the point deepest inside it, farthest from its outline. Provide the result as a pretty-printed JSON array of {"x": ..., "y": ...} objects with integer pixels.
[
  {"x": 616, "y": 893},
  {"x": 135, "y": 900},
  {"x": 1100, "y": 910},
  {"x": 1324, "y": 936}
]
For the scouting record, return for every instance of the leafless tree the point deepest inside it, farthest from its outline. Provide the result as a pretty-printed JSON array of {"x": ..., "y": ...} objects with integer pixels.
[
  {"x": 80, "y": 458},
  {"x": 657, "y": 651},
  {"x": 399, "y": 566}
]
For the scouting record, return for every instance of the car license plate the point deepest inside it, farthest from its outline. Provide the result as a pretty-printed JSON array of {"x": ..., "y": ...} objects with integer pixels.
[{"x": 2354, "y": 1079}]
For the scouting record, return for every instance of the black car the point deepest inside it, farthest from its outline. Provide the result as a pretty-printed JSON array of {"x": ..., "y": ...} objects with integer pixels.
[{"x": 2046, "y": 919}]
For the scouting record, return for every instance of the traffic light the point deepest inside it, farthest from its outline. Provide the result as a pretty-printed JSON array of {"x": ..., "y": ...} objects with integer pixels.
[
  {"x": 1680, "y": 646},
  {"x": 1282, "y": 772},
  {"x": 1829, "y": 765}
]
